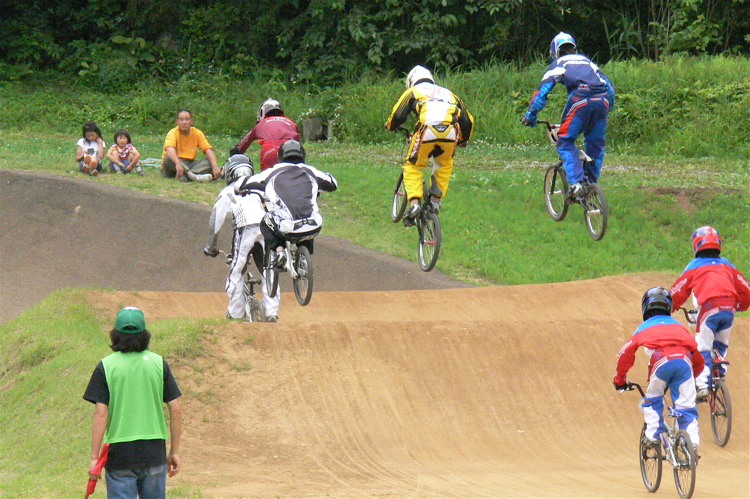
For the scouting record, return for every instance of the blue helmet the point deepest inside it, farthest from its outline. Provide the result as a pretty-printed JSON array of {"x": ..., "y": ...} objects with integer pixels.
[
  {"x": 656, "y": 301},
  {"x": 557, "y": 42}
]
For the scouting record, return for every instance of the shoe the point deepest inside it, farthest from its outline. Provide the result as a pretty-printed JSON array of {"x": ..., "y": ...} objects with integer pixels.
[
  {"x": 140, "y": 172},
  {"x": 229, "y": 317},
  {"x": 701, "y": 395},
  {"x": 576, "y": 191},
  {"x": 648, "y": 443},
  {"x": 94, "y": 172},
  {"x": 272, "y": 318},
  {"x": 280, "y": 260},
  {"x": 411, "y": 215}
]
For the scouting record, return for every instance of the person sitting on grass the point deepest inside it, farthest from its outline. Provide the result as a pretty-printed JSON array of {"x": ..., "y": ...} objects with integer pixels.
[
  {"x": 90, "y": 149},
  {"x": 181, "y": 148},
  {"x": 122, "y": 155}
]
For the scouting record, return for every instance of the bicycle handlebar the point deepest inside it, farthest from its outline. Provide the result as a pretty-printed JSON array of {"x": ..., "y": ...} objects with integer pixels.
[
  {"x": 690, "y": 315},
  {"x": 631, "y": 386}
]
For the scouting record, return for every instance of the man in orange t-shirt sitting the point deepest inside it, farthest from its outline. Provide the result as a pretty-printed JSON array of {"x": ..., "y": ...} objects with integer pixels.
[{"x": 180, "y": 150}]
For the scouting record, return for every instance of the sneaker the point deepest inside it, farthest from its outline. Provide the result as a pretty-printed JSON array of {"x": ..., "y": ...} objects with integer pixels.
[
  {"x": 701, "y": 395},
  {"x": 576, "y": 191},
  {"x": 411, "y": 215},
  {"x": 648, "y": 443},
  {"x": 272, "y": 318},
  {"x": 229, "y": 317},
  {"x": 280, "y": 260},
  {"x": 94, "y": 172}
]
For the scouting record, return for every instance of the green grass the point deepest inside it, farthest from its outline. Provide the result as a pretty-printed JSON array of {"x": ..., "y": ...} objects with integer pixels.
[{"x": 47, "y": 355}]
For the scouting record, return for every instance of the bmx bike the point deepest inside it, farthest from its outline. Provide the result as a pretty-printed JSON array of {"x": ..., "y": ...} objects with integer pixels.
[
  {"x": 253, "y": 306},
  {"x": 556, "y": 192},
  {"x": 674, "y": 446},
  {"x": 300, "y": 267},
  {"x": 719, "y": 401},
  {"x": 428, "y": 222}
]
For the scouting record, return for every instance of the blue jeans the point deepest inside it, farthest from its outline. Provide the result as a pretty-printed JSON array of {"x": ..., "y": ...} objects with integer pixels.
[{"x": 144, "y": 482}]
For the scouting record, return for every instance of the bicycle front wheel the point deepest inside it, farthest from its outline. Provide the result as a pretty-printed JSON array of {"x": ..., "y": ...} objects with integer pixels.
[
  {"x": 555, "y": 190},
  {"x": 651, "y": 460},
  {"x": 398, "y": 206},
  {"x": 303, "y": 283},
  {"x": 721, "y": 412},
  {"x": 596, "y": 212},
  {"x": 429, "y": 240},
  {"x": 684, "y": 471}
]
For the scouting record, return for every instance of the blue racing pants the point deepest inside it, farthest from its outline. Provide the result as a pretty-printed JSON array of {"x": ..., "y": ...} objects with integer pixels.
[
  {"x": 675, "y": 373},
  {"x": 587, "y": 115}
]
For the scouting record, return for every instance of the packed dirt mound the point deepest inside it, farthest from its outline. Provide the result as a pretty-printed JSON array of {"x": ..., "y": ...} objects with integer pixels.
[
  {"x": 482, "y": 392},
  {"x": 387, "y": 384}
]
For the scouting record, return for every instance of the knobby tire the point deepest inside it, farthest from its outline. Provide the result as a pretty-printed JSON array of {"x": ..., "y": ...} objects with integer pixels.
[
  {"x": 430, "y": 237},
  {"x": 596, "y": 212},
  {"x": 555, "y": 192},
  {"x": 684, "y": 472},
  {"x": 303, "y": 284},
  {"x": 721, "y": 412},
  {"x": 651, "y": 462},
  {"x": 398, "y": 205}
]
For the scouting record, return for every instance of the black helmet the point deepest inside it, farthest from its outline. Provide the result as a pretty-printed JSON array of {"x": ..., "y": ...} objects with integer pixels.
[
  {"x": 238, "y": 165},
  {"x": 656, "y": 301},
  {"x": 291, "y": 151}
]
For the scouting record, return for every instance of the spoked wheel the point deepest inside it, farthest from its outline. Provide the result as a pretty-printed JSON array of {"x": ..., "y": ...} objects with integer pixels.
[
  {"x": 684, "y": 472},
  {"x": 650, "y": 459},
  {"x": 595, "y": 211},
  {"x": 398, "y": 207},
  {"x": 555, "y": 190},
  {"x": 721, "y": 412},
  {"x": 429, "y": 240},
  {"x": 303, "y": 283},
  {"x": 253, "y": 306},
  {"x": 271, "y": 275}
]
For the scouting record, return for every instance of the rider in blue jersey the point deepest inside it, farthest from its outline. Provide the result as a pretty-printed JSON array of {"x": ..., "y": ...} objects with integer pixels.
[{"x": 591, "y": 96}]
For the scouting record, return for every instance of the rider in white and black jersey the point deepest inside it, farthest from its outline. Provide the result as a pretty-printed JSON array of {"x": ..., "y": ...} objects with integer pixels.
[{"x": 291, "y": 188}]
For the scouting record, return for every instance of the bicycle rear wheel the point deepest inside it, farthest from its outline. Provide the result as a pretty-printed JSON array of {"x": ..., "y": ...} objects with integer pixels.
[
  {"x": 650, "y": 460},
  {"x": 254, "y": 309},
  {"x": 721, "y": 412},
  {"x": 596, "y": 212},
  {"x": 303, "y": 283},
  {"x": 271, "y": 275},
  {"x": 684, "y": 472},
  {"x": 555, "y": 190},
  {"x": 398, "y": 206},
  {"x": 430, "y": 237}
]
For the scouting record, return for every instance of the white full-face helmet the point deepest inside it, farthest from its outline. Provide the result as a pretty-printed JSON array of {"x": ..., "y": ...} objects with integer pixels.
[
  {"x": 558, "y": 41},
  {"x": 417, "y": 74},
  {"x": 270, "y": 107}
]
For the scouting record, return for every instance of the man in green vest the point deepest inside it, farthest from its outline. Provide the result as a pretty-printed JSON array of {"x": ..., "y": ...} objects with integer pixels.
[{"x": 129, "y": 387}]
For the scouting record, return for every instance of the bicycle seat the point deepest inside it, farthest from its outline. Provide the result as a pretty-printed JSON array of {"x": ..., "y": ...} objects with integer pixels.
[{"x": 254, "y": 280}]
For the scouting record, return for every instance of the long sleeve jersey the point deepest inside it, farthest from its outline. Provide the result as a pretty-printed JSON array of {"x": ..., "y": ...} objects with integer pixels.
[
  {"x": 579, "y": 75},
  {"x": 433, "y": 105},
  {"x": 271, "y": 133},
  {"x": 715, "y": 282},
  {"x": 662, "y": 336},
  {"x": 292, "y": 192}
]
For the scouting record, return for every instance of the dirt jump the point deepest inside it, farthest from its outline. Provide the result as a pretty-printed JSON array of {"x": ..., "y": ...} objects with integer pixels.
[{"x": 391, "y": 383}]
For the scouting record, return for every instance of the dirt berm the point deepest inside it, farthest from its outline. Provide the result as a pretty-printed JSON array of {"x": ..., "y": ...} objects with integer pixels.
[{"x": 391, "y": 383}]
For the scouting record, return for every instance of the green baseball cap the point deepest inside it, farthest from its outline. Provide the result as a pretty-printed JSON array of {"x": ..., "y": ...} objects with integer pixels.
[{"x": 130, "y": 320}]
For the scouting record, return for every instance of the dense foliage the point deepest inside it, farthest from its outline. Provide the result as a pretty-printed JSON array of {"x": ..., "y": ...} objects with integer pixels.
[{"x": 324, "y": 41}]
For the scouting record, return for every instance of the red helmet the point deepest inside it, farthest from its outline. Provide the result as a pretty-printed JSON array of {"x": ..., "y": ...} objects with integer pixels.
[{"x": 706, "y": 237}]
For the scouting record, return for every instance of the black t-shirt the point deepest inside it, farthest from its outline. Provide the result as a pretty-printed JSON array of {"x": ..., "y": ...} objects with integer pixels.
[{"x": 138, "y": 453}]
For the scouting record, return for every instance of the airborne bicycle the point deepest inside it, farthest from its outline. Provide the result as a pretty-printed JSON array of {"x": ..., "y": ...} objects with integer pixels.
[
  {"x": 300, "y": 267},
  {"x": 675, "y": 447},
  {"x": 428, "y": 222},
  {"x": 719, "y": 401},
  {"x": 556, "y": 192}
]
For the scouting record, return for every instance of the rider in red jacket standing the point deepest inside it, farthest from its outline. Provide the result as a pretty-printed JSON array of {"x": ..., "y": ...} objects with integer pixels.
[
  {"x": 719, "y": 290},
  {"x": 271, "y": 130}
]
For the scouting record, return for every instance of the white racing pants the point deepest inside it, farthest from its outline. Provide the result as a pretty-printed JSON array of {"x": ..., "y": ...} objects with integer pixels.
[{"x": 244, "y": 240}]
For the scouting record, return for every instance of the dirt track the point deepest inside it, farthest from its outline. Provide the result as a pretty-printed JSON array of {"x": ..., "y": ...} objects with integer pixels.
[{"x": 463, "y": 392}]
